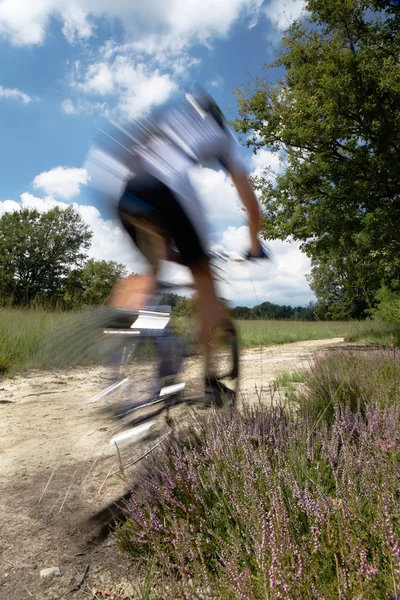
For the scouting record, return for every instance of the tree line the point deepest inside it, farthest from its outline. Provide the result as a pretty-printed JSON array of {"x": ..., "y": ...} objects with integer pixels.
[
  {"x": 268, "y": 310},
  {"x": 43, "y": 261}
]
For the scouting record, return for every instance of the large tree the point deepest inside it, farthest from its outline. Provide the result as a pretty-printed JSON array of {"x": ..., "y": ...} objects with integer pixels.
[
  {"x": 93, "y": 283},
  {"x": 334, "y": 119},
  {"x": 38, "y": 251}
]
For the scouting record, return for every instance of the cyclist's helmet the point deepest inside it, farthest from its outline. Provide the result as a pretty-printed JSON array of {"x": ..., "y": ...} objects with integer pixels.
[{"x": 205, "y": 104}]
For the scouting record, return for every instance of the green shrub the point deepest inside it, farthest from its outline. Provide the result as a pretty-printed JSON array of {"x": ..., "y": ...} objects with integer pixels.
[{"x": 388, "y": 308}]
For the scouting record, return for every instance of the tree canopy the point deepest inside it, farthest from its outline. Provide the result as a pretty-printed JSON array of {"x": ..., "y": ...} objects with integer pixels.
[
  {"x": 334, "y": 120},
  {"x": 38, "y": 251},
  {"x": 92, "y": 284},
  {"x": 43, "y": 258}
]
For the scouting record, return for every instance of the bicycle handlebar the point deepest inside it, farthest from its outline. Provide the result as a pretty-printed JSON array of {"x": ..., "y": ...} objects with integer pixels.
[{"x": 222, "y": 254}]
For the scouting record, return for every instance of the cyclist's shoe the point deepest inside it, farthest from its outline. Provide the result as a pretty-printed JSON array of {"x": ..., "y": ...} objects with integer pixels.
[{"x": 215, "y": 393}]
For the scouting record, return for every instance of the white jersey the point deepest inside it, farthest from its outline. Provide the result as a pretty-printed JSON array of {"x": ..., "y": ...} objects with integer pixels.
[
  {"x": 186, "y": 138},
  {"x": 183, "y": 138}
]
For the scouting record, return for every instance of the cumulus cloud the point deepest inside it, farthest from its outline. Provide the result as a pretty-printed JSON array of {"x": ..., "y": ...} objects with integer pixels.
[
  {"x": 136, "y": 86},
  {"x": 216, "y": 192},
  {"x": 282, "y": 281},
  {"x": 8, "y": 206},
  {"x": 14, "y": 94},
  {"x": 63, "y": 182},
  {"x": 282, "y": 13},
  {"x": 25, "y": 23}
]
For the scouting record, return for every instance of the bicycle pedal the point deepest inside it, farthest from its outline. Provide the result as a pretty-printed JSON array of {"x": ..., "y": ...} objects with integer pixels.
[
  {"x": 218, "y": 394},
  {"x": 170, "y": 389}
]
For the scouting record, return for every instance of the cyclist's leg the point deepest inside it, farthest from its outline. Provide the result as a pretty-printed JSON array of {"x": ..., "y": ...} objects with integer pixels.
[
  {"x": 140, "y": 222},
  {"x": 173, "y": 220},
  {"x": 209, "y": 309},
  {"x": 188, "y": 233}
]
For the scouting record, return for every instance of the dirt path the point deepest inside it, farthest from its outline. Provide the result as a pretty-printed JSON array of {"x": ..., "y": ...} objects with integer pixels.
[{"x": 57, "y": 468}]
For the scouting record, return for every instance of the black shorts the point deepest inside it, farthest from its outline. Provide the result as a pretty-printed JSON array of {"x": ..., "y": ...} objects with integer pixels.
[{"x": 147, "y": 200}]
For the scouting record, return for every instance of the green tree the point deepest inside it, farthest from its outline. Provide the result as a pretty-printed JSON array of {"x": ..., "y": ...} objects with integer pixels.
[
  {"x": 243, "y": 312},
  {"x": 334, "y": 119},
  {"x": 92, "y": 284},
  {"x": 38, "y": 250},
  {"x": 170, "y": 299},
  {"x": 388, "y": 308}
]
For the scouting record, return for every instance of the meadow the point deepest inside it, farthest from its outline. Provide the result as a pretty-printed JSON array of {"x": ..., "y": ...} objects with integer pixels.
[{"x": 38, "y": 338}]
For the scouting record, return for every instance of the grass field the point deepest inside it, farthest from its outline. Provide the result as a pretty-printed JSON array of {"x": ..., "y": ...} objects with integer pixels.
[
  {"x": 39, "y": 338},
  {"x": 254, "y": 333}
]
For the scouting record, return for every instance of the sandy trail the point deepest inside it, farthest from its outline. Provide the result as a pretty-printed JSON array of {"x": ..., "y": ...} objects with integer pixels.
[{"x": 57, "y": 468}]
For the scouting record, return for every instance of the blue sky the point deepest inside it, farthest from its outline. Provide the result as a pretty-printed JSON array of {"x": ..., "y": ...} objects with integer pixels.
[{"x": 68, "y": 64}]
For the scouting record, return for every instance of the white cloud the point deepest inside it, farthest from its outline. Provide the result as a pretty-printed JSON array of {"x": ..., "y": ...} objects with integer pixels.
[
  {"x": 136, "y": 86},
  {"x": 98, "y": 79},
  {"x": 14, "y": 94},
  {"x": 82, "y": 106},
  {"x": 282, "y": 13},
  {"x": 8, "y": 206},
  {"x": 282, "y": 281},
  {"x": 265, "y": 160},
  {"x": 67, "y": 106},
  {"x": 76, "y": 24},
  {"x": 63, "y": 182},
  {"x": 218, "y": 82},
  {"x": 40, "y": 204},
  {"x": 25, "y": 23},
  {"x": 216, "y": 192},
  {"x": 143, "y": 71}
]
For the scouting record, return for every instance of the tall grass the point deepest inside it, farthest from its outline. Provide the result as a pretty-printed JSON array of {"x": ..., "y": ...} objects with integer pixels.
[
  {"x": 22, "y": 334},
  {"x": 273, "y": 503},
  {"x": 254, "y": 333},
  {"x": 45, "y": 339},
  {"x": 41, "y": 338},
  {"x": 376, "y": 332}
]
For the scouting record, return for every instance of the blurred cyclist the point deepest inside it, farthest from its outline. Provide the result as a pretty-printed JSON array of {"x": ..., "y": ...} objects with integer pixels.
[{"x": 162, "y": 213}]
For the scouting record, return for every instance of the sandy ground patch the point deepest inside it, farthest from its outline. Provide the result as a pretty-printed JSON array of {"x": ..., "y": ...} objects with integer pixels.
[{"x": 57, "y": 468}]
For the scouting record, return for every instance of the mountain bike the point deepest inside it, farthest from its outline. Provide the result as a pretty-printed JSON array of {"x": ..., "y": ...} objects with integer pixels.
[
  {"x": 154, "y": 365},
  {"x": 153, "y": 376}
]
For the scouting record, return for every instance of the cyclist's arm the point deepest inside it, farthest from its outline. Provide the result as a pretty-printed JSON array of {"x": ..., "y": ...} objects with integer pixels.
[
  {"x": 250, "y": 202},
  {"x": 232, "y": 161}
]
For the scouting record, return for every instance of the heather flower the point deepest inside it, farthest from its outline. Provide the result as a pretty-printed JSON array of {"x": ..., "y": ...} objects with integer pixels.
[{"x": 269, "y": 503}]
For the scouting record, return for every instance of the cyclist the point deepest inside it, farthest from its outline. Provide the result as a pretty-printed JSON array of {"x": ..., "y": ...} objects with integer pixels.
[{"x": 162, "y": 213}]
